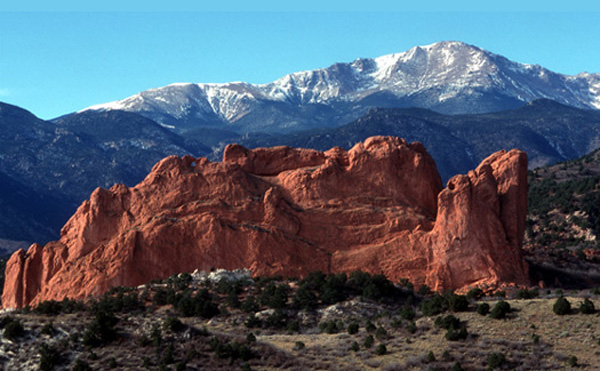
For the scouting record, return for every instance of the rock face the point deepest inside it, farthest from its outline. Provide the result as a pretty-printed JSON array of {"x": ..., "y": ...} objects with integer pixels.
[{"x": 378, "y": 207}]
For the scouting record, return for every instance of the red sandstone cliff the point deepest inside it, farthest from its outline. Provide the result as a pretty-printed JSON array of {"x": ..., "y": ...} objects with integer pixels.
[{"x": 378, "y": 207}]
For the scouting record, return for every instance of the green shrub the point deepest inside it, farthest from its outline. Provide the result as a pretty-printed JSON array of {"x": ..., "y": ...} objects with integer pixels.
[
  {"x": 192, "y": 354},
  {"x": 430, "y": 357},
  {"x": 277, "y": 319},
  {"x": 305, "y": 298},
  {"x": 101, "y": 330},
  {"x": 179, "y": 281},
  {"x": 14, "y": 329},
  {"x": 225, "y": 286},
  {"x": 118, "y": 299},
  {"x": 232, "y": 350},
  {"x": 330, "y": 327},
  {"x": 587, "y": 307},
  {"x": 572, "y": 361},
  {"x": 475, "y": 293},
  {"x": 5, "y": 321},
  {"x": 252, "y": 321},
  {"x": 293, "y": 326},
  {"x": 500, "y": 293},
  {"x": 214, "y": 342},
  {"x": 561, "y": 306},
  {"x": 500, "y": 310},
  {"x": 446, "y": 322},
  {"x": 369, "y": 340},
  {"x": 199, "y": 305},
  {"x": 527, "y": 294},
  {"x": 456, "y": 367},
  {"x": 354, "y": 347},
  {"x": 495, "y": 361},
  {"x": 381, "y": 350},
  {"x": 313, "y": 281},
  {"x": 112, "y": 362},
  {"x": 72, "y": 306},
  {"x": 224, "y": 351},
  {"x": 333, "y": 289},
  {"x": 48, "y": 307},
  {"x": 144, "y": 341},
  {"x": 81, "y": 365},
  {"x": 156, "y": 336},
  {"x": 168, "y": 358},
  {"x": 458, "y": 303},
  {"x": 483, "y": 309},
  {"x": 274, "y": 296},
  {"x": 49, "y": 357},
  {"x": 173, "y": 324},
  {"x": 53, "y": 307},
  {"x": 48, "y": 329},
  {"x": 424, "y": 290},
  {"x": 250, "y": 305},
  {"x": 377, "y": 288},
  {"x": 353, "y": 328},
  {"x": 161, "y": 297},
  {"x": 263, "y": 281},
  {"x": 411, "y": 327},
  {"x": 381, "y": 333},
  {"x": 434, "y": 306},
  {"x": 456, "y": 333},
  {"x": 370, "y": 327},
  {"x": 299, "y": 345},
  {"x": 357, "y": 280},
  {"x": 407, "y": 313},
  {"x": 395, "y": 323},
  {"x": 233, "y": 300}
]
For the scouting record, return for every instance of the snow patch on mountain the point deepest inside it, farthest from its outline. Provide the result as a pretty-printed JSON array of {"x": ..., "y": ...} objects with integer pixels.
[{"x": 594, "y": 82}]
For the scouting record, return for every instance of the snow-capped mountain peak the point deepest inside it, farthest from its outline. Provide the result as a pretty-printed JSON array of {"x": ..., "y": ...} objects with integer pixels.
[{"x": 448, "y": 76}]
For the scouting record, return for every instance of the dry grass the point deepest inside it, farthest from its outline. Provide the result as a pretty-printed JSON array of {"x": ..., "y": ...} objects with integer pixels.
[{"x": 560, "y": 337}]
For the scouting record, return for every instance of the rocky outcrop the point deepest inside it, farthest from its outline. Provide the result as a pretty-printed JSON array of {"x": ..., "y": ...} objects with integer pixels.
[{"x": 378, "y": 207}]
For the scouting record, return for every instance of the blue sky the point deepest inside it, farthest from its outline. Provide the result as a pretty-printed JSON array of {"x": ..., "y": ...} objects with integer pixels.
[{"x": 55, "y": 62}]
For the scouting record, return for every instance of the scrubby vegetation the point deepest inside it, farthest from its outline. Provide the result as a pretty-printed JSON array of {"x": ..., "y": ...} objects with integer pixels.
[
  {"x": 496, "y": 361},
  {"x": 564, "y": 216},
  {"x": 483, "y": 309},
  {"x": 562, "y": 306},
  {"x": 13, "y": 328},
  {"x": 359, "y": 321},
  {"x": 587, "y": 307},
  {"x": 500, "y": 310},
  {"x": 563, "y": 223}
]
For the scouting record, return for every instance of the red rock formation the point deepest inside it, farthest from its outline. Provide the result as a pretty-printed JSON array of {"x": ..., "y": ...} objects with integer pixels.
[{"x": 378, "y": 207}]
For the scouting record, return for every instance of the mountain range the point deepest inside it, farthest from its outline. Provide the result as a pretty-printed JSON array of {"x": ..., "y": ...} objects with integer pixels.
[
  {"x": 48, "y": 168},
  {"x": 448, "y": 77},
  {"x": 547, "y": 131},
  {"x": 471, "y": 103}
]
